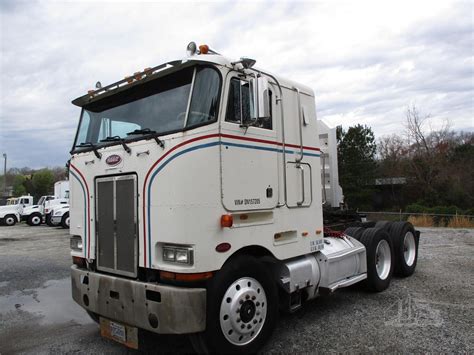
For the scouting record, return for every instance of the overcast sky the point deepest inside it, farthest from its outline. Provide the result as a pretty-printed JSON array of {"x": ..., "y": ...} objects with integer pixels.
[{"x": 366, "y": 60}]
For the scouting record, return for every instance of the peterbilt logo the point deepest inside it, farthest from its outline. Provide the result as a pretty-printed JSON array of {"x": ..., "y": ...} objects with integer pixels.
[{"x": 113, "y": 160}]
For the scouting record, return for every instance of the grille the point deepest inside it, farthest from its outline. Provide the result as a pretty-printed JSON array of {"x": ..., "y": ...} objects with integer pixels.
[{"x": 116, "y": 224}]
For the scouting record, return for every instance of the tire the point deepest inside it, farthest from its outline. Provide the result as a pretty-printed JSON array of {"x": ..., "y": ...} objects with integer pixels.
[
  {"x": 405, "y": 247},
  {"x": 242, "y": 308},
  {"x": 34, "y": 219},
  {"x": 355, "y": 232},
  {"x": 65, "y": 221},
  {"x": 48, "y": 220},
  {"x": 385, "y": 225},
  {"x": 9, "y": 220},
  {"x": 380, "y": 259}
]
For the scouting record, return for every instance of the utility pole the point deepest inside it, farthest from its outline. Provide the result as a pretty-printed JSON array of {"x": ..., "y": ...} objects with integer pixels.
[{"x": 5, "y": 175}]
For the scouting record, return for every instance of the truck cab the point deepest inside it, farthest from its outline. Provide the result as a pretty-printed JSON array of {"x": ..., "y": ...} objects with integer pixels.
[
  {"x": 11, "y": 212},
  {"x": 196, "y": 205}
]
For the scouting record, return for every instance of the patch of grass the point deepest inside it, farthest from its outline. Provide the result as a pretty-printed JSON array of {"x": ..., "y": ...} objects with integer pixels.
[
  {"x": 461, "y": 222},
  {"x": 422, "y": 221}
]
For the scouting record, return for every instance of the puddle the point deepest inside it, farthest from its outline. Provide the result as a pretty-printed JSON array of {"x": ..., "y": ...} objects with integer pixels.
[{"x": 52, "y": 303}]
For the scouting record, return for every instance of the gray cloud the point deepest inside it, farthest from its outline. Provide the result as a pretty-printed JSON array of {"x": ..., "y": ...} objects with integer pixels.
[{"x": 366, "y": 61}]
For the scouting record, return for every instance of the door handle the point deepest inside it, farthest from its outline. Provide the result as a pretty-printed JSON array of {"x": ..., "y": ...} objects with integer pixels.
[{"x": 299, "y": 203}]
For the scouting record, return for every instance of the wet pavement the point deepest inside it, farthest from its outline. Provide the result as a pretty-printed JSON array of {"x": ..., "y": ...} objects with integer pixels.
[{"x": 432, "y": 311}]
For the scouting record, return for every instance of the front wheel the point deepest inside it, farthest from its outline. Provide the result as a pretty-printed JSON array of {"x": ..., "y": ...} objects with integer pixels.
[
  {"x": 65, "y": 221},
  {"x": 48, "y": 220},
  {"x": 242, "y": 307},
  {"x": 34, "y": 219}
]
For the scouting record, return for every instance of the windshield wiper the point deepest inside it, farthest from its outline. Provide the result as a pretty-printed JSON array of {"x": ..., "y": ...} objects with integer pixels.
[
  {"x": 147, "y": 131},
  {"x": 118, "y": 139},
  {"x": 94, "y": 148}
]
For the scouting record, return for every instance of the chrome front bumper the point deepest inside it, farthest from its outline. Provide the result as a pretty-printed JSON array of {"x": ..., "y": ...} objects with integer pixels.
[
  {"x": 56, "y": 219},
  {"x": 158, "y": 308}
]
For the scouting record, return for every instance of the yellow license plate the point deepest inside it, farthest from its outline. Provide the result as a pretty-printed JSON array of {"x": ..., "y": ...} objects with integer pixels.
[{"x": 119, "y": 332}]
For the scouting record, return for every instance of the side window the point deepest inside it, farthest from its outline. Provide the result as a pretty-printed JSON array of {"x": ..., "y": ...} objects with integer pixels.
[
  {"x": 83, "y": 128},
  {"x": 240, "y": 105}
]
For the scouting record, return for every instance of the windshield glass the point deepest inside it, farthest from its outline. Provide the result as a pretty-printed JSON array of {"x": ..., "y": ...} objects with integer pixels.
[{"x": 160, "y": 106}]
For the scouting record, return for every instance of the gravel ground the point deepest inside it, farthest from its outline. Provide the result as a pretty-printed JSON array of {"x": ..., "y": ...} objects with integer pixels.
[{"x": 430, "y": 312}]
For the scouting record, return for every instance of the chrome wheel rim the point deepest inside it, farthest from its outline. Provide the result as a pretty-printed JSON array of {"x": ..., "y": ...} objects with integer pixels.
[
  {"x": 36, "y": 220},
  {"x": 383, "y": 259},
  {"x": 67, "y": 221},
  {"x": 9, "y": 221},
  {"x": 243, "y": 311},
  {"x": 409, "y": 248}
]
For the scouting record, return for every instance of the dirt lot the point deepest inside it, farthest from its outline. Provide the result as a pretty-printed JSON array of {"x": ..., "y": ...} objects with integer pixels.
[{"x": 432, "y": 311}]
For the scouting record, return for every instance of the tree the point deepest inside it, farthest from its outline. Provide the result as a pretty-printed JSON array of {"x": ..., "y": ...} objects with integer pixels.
[
  {"x": 19, "y": 185},
  {"x": 356, "y": 157},
  {"x": 438, "y": 164},
  {"x": 43, "y": 181}
]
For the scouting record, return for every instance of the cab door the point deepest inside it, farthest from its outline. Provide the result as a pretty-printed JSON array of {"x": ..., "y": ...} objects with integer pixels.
[
  {"x": 298, "y": 167},
  {"x": 249, "y": 150}
]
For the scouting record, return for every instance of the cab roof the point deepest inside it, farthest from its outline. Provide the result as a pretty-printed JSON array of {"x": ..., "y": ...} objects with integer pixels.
[{"x": 149, "y": 74}]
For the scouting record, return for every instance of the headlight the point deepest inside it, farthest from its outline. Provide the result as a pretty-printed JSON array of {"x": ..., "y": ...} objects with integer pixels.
[
  {"x": 76, "y": 243},
  {"x": 178, "y": 254},
  {"x": 57, "y": 213}
]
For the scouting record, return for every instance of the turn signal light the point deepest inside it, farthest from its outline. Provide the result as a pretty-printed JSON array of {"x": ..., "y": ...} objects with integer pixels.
[
  {"x": 185, "y": 277},
  {"x": 79, "y": 262},
  {"x": 227, "y": 221},
  {"x": 204, "y": 48}
]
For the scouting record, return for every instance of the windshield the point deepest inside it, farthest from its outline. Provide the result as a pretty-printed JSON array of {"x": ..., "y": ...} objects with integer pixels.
[
  {"x": 176, "y": 102},
  {"x": 41, "y": 200}
]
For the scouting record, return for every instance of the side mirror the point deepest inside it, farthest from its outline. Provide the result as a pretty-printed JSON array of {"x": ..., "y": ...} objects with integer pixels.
[{"x": 261, "y": 97}]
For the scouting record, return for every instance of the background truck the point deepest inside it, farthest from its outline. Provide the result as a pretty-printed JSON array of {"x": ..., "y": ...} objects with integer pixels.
[
  {"x": 33, "y": 215},
  {"x": 10, "y": 213},
  {"x": 60, "y": 216},
  {"x": 61, "y": 189},
  {"x": 199, "y": 194}
]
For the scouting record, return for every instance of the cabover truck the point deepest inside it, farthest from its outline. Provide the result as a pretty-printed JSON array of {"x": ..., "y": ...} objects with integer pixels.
[{"x": 198, "y": 193}]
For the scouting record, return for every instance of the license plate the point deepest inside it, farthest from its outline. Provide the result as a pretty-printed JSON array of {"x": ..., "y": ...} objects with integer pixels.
[{"x": 120, "y": 333}]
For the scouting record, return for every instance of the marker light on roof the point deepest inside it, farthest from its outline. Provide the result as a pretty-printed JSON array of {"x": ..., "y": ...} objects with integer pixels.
[
  {"x": 191, "y": 49},
  {"x": 204, "y": 48}
]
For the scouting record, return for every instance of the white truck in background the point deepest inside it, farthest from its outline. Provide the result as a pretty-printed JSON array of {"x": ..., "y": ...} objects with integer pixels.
[
  {"x": 61, "y": 189},
  {"x": 198, "y": 197},
  {"x": 60, "y": 216},
  {"x": 33, "y": 215},
  {"x": 42, "y": 212},
  {"x": 10, "y": 214}
]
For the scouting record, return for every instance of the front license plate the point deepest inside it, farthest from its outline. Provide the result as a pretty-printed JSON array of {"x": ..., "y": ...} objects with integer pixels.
[{"x": 121, "y": 333}]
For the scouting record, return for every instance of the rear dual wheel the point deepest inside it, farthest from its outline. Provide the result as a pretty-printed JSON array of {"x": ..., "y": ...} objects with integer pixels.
[
  {"x": 355, "y": 232},
  {"x": 380, "y": 263},
  {"x": 405, "y": 246},
  {"x": 9, "y": 220}
]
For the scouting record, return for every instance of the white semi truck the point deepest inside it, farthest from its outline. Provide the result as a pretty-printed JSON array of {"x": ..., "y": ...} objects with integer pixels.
[{"x": 197, "y": 206}]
